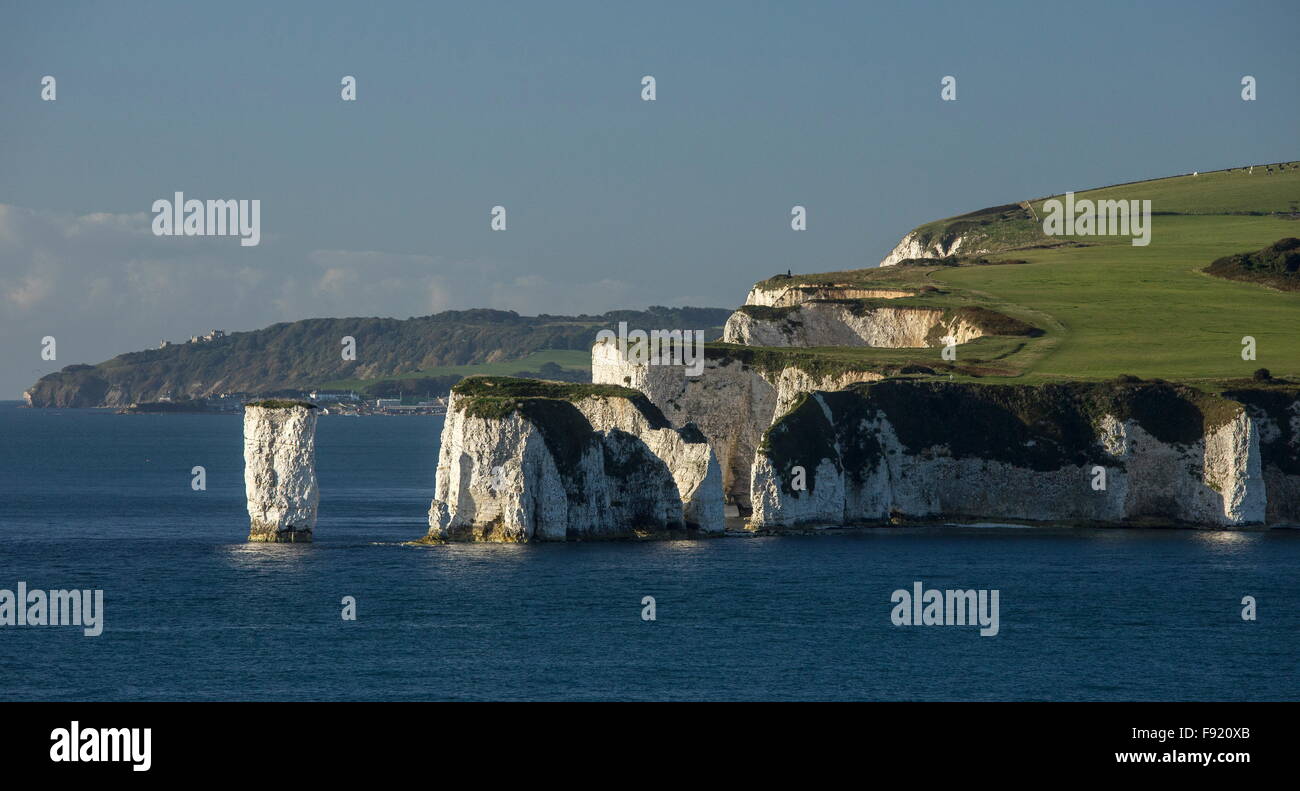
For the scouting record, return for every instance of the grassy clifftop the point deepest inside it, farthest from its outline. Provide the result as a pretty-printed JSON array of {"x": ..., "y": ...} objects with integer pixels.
[
  {"x": 499, "y": 396},
  {"x": 1258, "y": 191},
  {"x": 1107, "y": 307}
]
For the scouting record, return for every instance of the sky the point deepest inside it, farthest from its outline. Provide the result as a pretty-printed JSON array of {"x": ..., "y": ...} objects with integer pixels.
[{"x": 382, "y": 206}]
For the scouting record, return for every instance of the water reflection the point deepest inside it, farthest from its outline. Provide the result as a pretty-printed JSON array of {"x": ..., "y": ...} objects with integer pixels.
[{"x": 265, "y": 558}]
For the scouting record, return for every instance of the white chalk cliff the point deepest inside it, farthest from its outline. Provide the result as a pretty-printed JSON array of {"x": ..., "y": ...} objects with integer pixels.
[
  {"x": 731, "y": 402},
  {"x": 845, "y": 323},
  {"x": 548, "y": 468},
  {"x": 1276, "y": 415},
  {"x": 280, "y": 472},
  {"x": 911, "y": 246},
  {"x": 866, "y": 458}
]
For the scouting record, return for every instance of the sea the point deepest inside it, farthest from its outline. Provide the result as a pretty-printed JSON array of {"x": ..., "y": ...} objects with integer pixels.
[{"x": 97, "y": 501}]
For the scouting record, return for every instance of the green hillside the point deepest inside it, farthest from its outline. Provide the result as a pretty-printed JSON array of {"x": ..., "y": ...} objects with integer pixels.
[
  {"x": 1108, "y": 307},
  {"x": 425, "y": 352}
]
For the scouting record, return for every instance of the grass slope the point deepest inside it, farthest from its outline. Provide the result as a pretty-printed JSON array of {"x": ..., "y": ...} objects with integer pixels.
[
  {"x": 1151, "y": 311},
  {"x": 1106, "y": 307}
]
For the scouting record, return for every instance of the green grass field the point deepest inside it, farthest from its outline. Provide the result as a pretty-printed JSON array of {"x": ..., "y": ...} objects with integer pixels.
[
  {"x": 1150, "y": 311},
  {"x": 1110, "y": 308},
  {"x": 571, "y": 359},
  {"x": 1232, "y": 191}
]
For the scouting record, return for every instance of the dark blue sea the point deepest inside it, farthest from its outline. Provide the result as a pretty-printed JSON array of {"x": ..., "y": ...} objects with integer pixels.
[{"x": 93, "y": 500}]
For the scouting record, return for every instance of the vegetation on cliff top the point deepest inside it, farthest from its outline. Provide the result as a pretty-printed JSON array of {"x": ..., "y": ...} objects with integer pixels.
[
  {"x": 499, "y": 396},
  {"x": 280, "y": 403},
  {"x": 1276, "y": 266}
]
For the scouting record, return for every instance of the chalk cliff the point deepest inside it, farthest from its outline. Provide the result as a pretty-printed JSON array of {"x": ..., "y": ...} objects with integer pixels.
[
  {"x": 280, "y": 470},
  {"x": 914, "y": 246},
  {"x": 849, "y": 323},
  {"x": 1276, "y": 414},
  {"x": 1112, "y": 452},
  {"x": 732, "y": 401},
  {"x": 526, "y": 460}
]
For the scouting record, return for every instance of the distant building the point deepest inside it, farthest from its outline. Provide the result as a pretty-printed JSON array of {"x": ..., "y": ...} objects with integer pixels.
[{"x": 211, "y": 336}]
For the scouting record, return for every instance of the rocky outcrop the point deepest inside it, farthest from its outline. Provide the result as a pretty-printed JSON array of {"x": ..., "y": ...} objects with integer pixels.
[
  {"x": 1113, "y": 453},
  {"x": 732, "y": 402},
  {"x": 914, "y": 246},
  {"x": 280, "y": 470},
  {"x": 524, "y": 460},
  {"x": 849, "y": 323}
]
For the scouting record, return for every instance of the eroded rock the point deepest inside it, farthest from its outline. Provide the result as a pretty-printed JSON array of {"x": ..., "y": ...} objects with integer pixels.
[
  {"x": 1168, "y": 454},
  {"x": 280, "y": 470},
  {"x": 524, "y": 460}
]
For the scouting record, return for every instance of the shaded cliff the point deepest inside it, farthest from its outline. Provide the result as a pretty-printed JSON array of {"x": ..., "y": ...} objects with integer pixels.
[
  {"x": 526, "y": 460},
  {"x": 1105, "y": 452}
]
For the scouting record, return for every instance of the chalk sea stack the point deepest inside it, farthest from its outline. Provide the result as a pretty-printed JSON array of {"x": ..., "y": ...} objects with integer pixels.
[{"x": 280, "y": 470}]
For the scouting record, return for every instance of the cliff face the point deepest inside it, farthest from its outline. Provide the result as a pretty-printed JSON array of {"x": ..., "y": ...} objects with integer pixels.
[
  {"x": 280, "y": 472},
  {"x": 731, "y": 403},
  {"x": 1276, "y": 414},
  {"x": 915, "y": 450},
  {"x": 542, "y": 462},
  {"x": 913, "y": 246},
  {"x": 846, "y": 323},
  {"x": 685, "y": 451}
]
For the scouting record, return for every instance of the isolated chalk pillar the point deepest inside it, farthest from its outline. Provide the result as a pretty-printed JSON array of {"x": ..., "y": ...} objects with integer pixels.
[{"x": 280, "y": 470}]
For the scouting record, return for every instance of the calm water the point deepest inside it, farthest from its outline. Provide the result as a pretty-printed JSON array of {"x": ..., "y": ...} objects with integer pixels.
[{"x": 94, "y": 500}]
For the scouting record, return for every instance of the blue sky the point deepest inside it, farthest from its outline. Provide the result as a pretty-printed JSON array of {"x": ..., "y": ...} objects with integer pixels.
[{"x": 381, "y": 206}]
